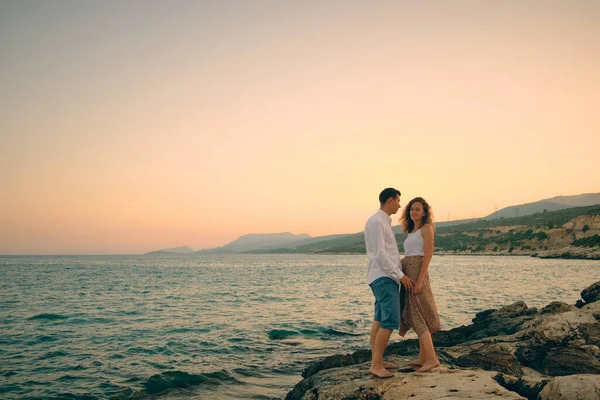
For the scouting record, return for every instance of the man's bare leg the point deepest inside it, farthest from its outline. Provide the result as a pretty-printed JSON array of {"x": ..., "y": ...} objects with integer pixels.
[
  {"x": 374, "y": 329},
  {"x": 379, "y": 345},
  {"x": 430, "y": 360}
]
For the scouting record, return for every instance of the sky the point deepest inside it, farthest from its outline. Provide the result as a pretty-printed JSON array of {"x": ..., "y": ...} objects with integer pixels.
[{"x": 131, "y": 126}]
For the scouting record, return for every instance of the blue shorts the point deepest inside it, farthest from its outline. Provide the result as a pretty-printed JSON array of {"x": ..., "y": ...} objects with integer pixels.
[{"x": 387, "y": 302}]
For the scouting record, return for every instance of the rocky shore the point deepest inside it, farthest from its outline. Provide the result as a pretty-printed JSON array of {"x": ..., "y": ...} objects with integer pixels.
[{"x": 514, "y": 352}]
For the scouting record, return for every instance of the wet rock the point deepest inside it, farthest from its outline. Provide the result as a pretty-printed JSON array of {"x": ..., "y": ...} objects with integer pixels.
[
  {"x": 591, "y": 293},
  {"x": 337, "y": 361}
]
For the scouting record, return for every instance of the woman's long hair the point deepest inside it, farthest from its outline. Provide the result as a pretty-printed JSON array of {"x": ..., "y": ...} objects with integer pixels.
[{"x": 407, "y": 223}]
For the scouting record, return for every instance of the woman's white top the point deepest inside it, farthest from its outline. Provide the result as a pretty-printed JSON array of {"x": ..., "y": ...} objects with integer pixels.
[{"x": 414, "y": 245}]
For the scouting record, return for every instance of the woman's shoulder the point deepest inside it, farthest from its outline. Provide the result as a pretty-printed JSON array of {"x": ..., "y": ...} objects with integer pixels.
[{"x": 427, "y": 228}]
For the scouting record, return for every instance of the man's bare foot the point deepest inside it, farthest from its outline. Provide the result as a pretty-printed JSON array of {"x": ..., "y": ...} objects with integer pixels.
[
  {"x": 416, "y": 362},
  {"x": 428, "y": 366},
  {"x": 388, "y": 365},
  {"x": 381, "y": 372}
]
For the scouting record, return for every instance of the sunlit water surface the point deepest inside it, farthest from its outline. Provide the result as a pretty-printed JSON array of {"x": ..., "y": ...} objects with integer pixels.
[{"x": 221, "y": 327}]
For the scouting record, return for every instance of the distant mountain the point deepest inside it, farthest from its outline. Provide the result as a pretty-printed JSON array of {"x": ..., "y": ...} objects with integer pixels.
[
  {"x": 553, "y": 204},
  {"x": 581, "y": 200},
  {"x": 296, "y": 244},
  {"x": 287, "y": 242},
  {"x": 313, "y": 245},
  {"x": 354, "y": 243},
  {"x": 174, "y": 250},
  {"x": 254, "y": 241}
]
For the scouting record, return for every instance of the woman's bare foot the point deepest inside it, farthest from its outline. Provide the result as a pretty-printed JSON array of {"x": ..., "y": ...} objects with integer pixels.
[
  {"x": 381, "y": 372},
  {"x": 428, "y": 366},
  {"x": 388, "y": 365},
  {"x": 416, "y": 362}
]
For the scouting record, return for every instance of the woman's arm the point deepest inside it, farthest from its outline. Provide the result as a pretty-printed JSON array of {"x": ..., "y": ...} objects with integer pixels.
[{"x": 427, "y": 233}]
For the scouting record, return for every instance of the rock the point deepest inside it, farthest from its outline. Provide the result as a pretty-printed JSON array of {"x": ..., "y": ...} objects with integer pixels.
[
  {"x": 494, "y": 357},
  {"x": 561, "y": 328},
  {"x": 569, "y": 361},
  {"x": 592, "y": 308},
  {"x": 557, "y": 307},
  {"x": 577, "y": 224},
  {"x": 337, "y": 361},
  {"x": 526, "y": 351},
  {"x": 591, "y": 293},
  {"x": 356, "y": 383},
  {"x": 529, "y": 385},
  {"x": 574, "y": 387},
  {"x": 513, "y": 310},
  {"x": 591, "y": 333}
]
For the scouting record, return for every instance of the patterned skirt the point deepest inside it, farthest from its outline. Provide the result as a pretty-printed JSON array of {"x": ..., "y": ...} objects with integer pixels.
[{"x": 418, "y": 311}]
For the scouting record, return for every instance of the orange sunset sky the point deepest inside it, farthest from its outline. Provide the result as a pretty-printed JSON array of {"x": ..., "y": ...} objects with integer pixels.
[{"x": 130, "y": 126}]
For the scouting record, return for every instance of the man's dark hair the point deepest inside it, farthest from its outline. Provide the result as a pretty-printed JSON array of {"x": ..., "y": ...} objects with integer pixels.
[{"x": 388, "y": 193}]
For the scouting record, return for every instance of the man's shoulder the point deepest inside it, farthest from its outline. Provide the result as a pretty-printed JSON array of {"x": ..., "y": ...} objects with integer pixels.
[{"x": 374, "y": 219}]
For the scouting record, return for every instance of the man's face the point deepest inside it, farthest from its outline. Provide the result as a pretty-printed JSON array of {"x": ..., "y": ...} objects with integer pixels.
[{"x": 395, "y": 204}]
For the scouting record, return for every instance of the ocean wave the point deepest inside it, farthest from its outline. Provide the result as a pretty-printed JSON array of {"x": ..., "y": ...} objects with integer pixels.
[
  {"x": 53, "y": 354},
  {"x": 47, "y": 316},
  {"x": 143, "y": 350},
  {"x": 282, "y": 334},
  {"x": 335, "y": 332},
  {"x": 42, "y": 339},
  {"x": 180, "y": 379},
  {"x": 64, "y": 396},
  {"x": 279, "y": 334}
]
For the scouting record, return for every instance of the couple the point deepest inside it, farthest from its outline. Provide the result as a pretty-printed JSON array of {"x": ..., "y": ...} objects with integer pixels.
[{"x": 412, "y": 306}]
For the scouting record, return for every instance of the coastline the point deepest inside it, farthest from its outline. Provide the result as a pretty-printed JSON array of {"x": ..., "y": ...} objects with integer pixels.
[{"x": 564, "y": 254}]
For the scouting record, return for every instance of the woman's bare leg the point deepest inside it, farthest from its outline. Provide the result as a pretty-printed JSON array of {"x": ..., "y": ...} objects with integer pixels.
[{"x": 427, "y": 351}]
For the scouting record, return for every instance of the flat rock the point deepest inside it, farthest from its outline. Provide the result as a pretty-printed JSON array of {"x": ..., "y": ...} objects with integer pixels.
[{"x": 442, "y": 383}]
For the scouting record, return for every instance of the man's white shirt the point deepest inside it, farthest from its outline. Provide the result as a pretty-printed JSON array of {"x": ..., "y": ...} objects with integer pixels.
[{"x": 382, "y": 249}]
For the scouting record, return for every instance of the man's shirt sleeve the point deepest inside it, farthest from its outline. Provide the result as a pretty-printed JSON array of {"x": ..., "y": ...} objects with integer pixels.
[{"x": 380, "y": 256}]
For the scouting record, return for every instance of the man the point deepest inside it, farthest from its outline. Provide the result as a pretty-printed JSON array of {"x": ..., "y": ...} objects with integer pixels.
[{"x": 384, "y": 277}]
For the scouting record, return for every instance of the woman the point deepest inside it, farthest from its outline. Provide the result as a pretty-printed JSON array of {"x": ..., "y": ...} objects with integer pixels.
[{"x": 418, "y": 307}]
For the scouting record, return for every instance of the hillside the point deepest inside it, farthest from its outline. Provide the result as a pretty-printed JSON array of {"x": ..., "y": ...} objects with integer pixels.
[
  {"x": 553, "y": 204},
  {"x": 461, "y": 236},
  {"x": 572, "y": 232},
  {"x": 254, "y": 241},
  {"x": 174, "y": 250}
]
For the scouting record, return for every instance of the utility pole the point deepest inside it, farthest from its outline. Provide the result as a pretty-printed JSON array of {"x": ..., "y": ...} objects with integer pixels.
[{"x": 495, "y": 215}]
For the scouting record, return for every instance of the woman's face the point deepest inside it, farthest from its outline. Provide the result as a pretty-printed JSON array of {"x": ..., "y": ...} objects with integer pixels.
[{"x": 416, "y": 212}]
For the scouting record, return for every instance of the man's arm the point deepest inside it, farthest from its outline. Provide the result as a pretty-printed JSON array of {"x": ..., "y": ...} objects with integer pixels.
[{"x": 381, "y": 256}]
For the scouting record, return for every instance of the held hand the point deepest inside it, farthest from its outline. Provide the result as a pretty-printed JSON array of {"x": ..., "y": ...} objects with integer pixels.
[
  {"x": 417, "y": 287},
  {"x": 407, "y": 283}
]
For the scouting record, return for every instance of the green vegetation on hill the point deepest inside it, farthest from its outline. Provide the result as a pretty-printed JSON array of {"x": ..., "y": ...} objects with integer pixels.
[
  {"x": 550, "y": 219},
  {"x": 587, "y": 242},
  {"x": 527, "y": 233}
]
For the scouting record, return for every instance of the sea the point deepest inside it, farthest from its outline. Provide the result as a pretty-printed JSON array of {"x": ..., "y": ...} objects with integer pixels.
[{"x": 222, "y": 326}]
